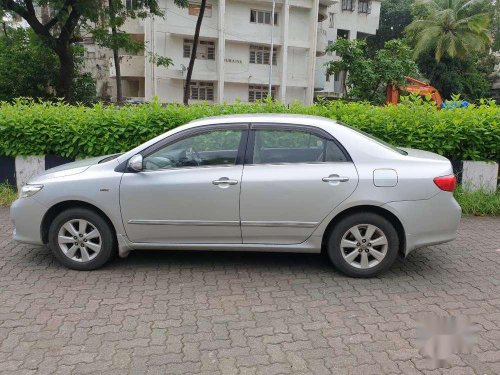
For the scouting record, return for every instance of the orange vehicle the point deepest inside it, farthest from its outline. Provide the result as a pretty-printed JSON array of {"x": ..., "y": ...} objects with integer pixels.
[{"x": 416, "y": 87}]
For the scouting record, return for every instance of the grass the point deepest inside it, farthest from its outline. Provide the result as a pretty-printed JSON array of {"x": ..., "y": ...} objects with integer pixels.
[
  {"x": 477, "y": 203},
  {"x": 8, "y": 194}
]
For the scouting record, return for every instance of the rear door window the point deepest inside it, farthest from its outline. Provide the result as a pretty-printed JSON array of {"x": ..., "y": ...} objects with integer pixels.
[{"x": 276, "y": 146}]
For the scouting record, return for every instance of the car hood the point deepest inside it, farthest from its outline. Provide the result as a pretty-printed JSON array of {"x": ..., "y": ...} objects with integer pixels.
[{"x": 69, "y": 169}]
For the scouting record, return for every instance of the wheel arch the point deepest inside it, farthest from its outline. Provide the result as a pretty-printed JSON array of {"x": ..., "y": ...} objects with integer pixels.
[
  {"x": 57, "y": 208},
  {"x": 393, "y": 219}
]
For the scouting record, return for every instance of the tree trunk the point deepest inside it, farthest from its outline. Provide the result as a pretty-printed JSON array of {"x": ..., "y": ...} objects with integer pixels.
[
  {"x": 44, "y": 12},
  {"x": 118, "y": 77},
  {"x": 193, "y": 51},
  {"x": 64, "y": 87},
  {"x": 116, "y": 55}
]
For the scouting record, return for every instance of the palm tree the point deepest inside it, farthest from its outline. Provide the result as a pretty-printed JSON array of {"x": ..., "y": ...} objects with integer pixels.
[{"x": 450, "y": 27}]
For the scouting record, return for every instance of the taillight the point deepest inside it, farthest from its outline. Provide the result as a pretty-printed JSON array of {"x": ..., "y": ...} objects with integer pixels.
[{"x": 446, "y": 183}]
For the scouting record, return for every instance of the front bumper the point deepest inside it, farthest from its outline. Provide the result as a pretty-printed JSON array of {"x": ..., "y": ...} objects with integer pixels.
[
  {"x": 428, "y": 222},
  {"x": 26, "y": 215}
]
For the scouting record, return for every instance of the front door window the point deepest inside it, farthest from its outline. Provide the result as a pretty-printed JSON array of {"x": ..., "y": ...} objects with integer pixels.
[{"x": 218, "y": 147}]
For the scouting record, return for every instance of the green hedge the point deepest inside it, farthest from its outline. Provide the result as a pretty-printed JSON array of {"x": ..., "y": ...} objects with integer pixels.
[{"x": 28, "y": 128}]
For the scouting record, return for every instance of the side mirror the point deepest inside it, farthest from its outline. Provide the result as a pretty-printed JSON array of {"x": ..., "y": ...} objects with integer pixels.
[{"x": 135, "y": 163}]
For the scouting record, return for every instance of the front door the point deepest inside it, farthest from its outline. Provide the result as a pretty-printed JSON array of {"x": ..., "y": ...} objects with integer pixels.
[
  {"x": 292, "y": 180},
  {"x": 189, "y": 190}
]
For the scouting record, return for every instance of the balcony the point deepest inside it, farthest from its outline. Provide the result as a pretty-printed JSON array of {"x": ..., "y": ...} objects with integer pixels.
[
  {"x": 322, "y": 13},
  {"x": 321, "y": 42},
  {"x": 130, "y": 66},
  {"x": 323, "y": 9}
]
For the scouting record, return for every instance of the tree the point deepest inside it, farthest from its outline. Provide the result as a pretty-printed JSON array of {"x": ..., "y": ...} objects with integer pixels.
[
  {"x": 58, "y": 34},
  {"x": 453, "y": 28},
  {"x": 107, "y": 32},
  {"x": 27, "y": 69},
  {"x": 193, "y": 51},
  {"x": 395, "y": 15},
  {"x": 368, "y": 77},
  {"x": 467, "y": 77},
  {"x": 496, "y": 26}
]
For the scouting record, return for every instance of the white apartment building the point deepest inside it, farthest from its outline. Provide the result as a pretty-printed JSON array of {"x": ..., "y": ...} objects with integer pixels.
[
  {"x": 234, "y": 51},
  {"x": 350, "y": 19}
]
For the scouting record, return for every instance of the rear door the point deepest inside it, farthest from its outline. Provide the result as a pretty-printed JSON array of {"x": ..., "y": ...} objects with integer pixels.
[{"x": 292, "y": 178}]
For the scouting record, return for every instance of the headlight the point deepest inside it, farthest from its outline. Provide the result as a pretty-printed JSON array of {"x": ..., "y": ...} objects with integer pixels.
[{"x": 29, "y": 190}]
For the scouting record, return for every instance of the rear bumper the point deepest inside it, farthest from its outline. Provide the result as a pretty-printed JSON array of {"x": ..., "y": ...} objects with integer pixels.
[
  {"x": 428, "y": 222},
  {"x": 26, "y": 215}
]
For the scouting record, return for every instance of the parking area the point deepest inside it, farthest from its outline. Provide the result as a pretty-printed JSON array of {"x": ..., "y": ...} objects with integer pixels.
[{"x": 234, "y": 313}]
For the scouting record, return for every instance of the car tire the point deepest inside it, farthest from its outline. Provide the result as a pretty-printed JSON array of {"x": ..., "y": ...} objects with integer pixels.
[
  {"x": 81, "y": 239},
  {"x": 350, "y": 247}
]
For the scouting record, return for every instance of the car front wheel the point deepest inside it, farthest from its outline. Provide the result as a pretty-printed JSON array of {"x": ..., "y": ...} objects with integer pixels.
[
  {"x": 363, "y": 245},
  {"x": 81, "y": 239}
]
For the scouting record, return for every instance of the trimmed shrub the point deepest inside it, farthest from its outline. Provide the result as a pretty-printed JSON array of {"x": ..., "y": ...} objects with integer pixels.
[{"x": 28, "y": 128}]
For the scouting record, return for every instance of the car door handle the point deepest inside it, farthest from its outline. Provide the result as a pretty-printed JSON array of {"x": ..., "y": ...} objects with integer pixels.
[
  {"x": 335, "y": 178},
  {"x": 224, "y": 181}
]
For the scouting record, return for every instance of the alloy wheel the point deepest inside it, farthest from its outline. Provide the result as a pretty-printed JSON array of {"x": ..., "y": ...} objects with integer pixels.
[
  {"x": 79, "y": 240},
  {"x": 364, "y": 246}
]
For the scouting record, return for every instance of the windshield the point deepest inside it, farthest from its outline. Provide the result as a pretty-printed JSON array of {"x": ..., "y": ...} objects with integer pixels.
[{"x": 388, "y": 145}]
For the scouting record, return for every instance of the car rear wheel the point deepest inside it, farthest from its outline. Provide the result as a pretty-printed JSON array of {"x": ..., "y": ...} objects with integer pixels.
[
  {"x": 363, "y": 245},
  {"x": 81, "y": 239}
]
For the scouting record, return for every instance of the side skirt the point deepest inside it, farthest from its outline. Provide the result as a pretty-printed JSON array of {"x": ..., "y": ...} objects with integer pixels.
[{"x": 312, "y": 245}]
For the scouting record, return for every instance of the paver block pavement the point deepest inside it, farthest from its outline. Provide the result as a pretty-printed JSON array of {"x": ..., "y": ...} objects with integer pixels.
[{"x": 235, "y": 313}]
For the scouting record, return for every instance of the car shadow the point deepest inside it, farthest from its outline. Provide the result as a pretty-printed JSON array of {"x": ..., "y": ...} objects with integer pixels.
[
  {"x": 223, "y": 261},
  {"x": 259, "y": 261}
]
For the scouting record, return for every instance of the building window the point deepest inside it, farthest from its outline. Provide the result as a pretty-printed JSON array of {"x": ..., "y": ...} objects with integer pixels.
[
  {"x": 330, "y": 42},
  {"x": 201, "y": 90},
  {"x": 364, "y": 6},
  {"x": 362, "y": 36},
  {"x": 88, "y": 40},
  {"x": 260, "y": 55},
  {"x": 205, "y": 50},
  {"x": 262, "y": 16},
  {"x": 342, "y": 34},
  {"x": 348, "y": 5},
  {"x": 194, "y": 9},
  {"x": 327, "y": 77},
  {"x": 89, "y": 53},
  {"x": 330, "y": 20},
  {"x": 260, "y": 92},
  {"x": 131, "y": 4}
]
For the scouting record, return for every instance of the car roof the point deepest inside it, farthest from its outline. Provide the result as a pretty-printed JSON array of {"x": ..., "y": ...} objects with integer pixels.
[{"x": 285, "y": 118}]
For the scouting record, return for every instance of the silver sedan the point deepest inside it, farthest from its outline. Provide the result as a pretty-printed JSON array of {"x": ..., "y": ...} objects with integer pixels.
[{"x": 285, "y": 183}]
